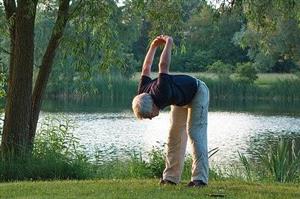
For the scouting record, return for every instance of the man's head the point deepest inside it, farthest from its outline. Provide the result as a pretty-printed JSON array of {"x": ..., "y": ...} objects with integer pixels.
[{"x": 143, "y": 106}]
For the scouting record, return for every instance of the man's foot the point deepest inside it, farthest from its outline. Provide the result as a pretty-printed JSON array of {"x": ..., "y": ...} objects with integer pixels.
[
  {"x": 197, "y": 183},
  {"x": 166, "y": 182}
]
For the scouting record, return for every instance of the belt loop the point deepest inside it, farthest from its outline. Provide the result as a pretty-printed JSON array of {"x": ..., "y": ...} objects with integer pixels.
[{"x": 198, "y": 83}]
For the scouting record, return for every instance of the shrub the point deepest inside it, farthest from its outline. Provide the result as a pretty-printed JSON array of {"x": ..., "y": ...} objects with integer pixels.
[
  {"x": 57, "y": 154},
  {"x": 246, "y": 72},
  {"x": 220, "y": 68}
]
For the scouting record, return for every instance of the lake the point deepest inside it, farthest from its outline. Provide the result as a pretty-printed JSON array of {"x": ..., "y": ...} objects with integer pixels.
[{"x": 232, "y": 127}]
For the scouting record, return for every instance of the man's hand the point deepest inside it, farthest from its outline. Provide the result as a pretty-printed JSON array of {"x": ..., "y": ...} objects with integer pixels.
[
  {"x": 168, "y": 39},
  {"x": 159, "y": 40}
]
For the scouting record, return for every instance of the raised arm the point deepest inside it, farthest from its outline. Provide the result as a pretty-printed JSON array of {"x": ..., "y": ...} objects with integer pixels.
[
  {"x": 165, "y": 57},
  {"x": 146, "y": 70}
]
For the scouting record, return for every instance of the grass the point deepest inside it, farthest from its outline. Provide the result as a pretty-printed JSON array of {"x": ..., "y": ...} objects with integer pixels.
[
  {"x": 133, "y": 188},
  {"x": 270, "y": 78}
]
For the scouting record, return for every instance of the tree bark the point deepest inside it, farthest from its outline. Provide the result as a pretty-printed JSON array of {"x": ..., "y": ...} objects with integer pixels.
[
  {"x": 17, "y": 111},
  {"x": 10, "y": 10}
]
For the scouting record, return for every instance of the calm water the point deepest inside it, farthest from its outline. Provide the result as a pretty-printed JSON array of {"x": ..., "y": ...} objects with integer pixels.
[{"x": 232, "y": 128}]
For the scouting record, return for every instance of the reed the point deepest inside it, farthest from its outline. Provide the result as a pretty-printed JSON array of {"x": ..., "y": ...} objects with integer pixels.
[
  {"x": 280, "y": 162},
  {"x": 110, "y": 90}
]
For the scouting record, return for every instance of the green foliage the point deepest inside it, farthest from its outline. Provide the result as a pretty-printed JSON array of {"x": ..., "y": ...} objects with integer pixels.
[
  {"x": 279, "y": 162},
  {"x": 157, "y": 161},
  {"x": 57, "y": 154},
  {"x": 131, "y": 166},
  {"x": 95, "y": 49},
  {"x": 4, "y": 46},
  {"x": 2, "y": 84},
  {"x": 165, "y": 17},
  {"x": 246, "y": 72},
  {"x": 282, "y": 161},
  {"x": 221, "y": 69},
  {"x": 210, "y": 35},
  {"x": 265, "y": 14},
  {"x": 264, "y": 63},
  {"x": 200, "y": 60},
  {"x": 247, "y": 166},
  {"x": 55, "y": 137},
  {"x": 272, "y": 34},
  {"x": 135, "y": 165}
]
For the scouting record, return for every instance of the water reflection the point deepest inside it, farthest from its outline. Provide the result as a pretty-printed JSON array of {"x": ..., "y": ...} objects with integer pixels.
[
  {"x": 258, "y": 107},
  {"x": 112, "y": 131},
  {"x": 114, "y": 134},
  {"x": 268, "y": 107}
]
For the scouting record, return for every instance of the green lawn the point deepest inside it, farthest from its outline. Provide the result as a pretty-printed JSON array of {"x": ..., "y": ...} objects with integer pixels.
[
  {"x": 144, "y": 189},
  {"x": 269, "y": 78}
]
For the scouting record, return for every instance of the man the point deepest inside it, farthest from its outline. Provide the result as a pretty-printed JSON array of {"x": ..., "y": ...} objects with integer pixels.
[{"x": 189, "y": 99}]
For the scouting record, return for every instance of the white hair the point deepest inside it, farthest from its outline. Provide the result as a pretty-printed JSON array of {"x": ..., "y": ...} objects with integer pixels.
[{"x": 142, "y": 105}]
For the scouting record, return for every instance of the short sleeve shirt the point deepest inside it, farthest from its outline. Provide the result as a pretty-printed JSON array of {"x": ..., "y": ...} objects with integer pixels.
[{"x": 169, "y": 89}]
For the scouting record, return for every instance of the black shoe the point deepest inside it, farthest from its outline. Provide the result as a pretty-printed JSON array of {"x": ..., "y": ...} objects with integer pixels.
[
  {"x": 197, "y": 183},
  {"x": 166, "y": 182}
]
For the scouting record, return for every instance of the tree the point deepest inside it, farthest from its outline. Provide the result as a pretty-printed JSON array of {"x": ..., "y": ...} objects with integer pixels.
[
  {"x": 272, "y": 33},
  {"x": 210, "y": 37},
  {"x": 23, "y": 101}
]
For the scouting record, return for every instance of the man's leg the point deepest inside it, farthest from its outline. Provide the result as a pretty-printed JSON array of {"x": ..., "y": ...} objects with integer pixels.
[
  {"x": 197, "y": 131},
  {"x": 176, "y": 144}
]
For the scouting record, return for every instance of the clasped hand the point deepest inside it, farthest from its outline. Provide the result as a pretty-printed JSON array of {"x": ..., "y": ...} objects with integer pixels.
[{"x": 162, "y": 40}]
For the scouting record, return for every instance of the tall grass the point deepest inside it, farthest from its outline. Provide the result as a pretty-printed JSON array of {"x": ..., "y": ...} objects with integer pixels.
[
  {"x": 281, "y": 90},
  {"x": 108, "y": 89},
  {"x": 279, "y": 162},
  {"x": 115, "y": 89},
  {"x": 136, "y": 165},
  {"x": 56, "y": 155}
]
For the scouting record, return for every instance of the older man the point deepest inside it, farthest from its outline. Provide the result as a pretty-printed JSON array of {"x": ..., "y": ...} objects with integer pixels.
[{"x": 189, "y": 100}]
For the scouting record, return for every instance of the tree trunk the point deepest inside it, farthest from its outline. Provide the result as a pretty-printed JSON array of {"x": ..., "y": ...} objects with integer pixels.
[
  {"x": 22, "y": 105},
  {"x": 17, "y": 111},
  {"x": 46, "y": 66}
]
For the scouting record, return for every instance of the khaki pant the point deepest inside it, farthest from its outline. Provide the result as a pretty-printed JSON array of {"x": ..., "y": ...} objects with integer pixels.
[{"x": 188, "y": 121}]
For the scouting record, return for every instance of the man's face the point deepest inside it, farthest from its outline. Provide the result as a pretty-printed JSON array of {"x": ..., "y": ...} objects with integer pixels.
[{"x": 154, "y": 113}]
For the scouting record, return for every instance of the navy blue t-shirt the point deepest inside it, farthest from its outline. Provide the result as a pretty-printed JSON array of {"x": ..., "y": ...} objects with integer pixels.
[{"x": 169, "y": 89}]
